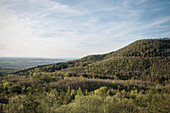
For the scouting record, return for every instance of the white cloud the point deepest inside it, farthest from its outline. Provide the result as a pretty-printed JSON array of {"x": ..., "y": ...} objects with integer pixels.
[
  {"x": 136, "y": 2},
  {"x": 45, "y": 28},
  {"x": 140, "y": 1},
  {"x": 21, "y": 36}
]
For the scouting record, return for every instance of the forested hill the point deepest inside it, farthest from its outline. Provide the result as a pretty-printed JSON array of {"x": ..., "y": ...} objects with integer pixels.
[
  {"x": 134, "y": 79},
  {"x": 146, "y": 59},
  {"x": 145, "y": 48}
]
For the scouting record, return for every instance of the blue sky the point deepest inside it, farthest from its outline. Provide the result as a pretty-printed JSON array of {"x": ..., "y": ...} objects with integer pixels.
[{"x": 76, "y": 28}]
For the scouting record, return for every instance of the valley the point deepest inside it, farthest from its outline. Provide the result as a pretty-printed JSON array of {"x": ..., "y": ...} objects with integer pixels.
[{"x": 12, "y": 64}]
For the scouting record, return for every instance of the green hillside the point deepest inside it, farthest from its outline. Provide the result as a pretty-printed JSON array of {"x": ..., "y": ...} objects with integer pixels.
[
  {"x": 145, "y": 48},
  {"x": 133, "y": 79},
  {"x": 142, "y": 60}
]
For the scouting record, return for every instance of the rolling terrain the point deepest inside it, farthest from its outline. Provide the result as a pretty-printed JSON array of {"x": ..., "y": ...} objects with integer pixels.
[
  {"x": 11, "y": 65},
  {"x": 133, "y": 79},
  {"x": 142, "y": 60}
]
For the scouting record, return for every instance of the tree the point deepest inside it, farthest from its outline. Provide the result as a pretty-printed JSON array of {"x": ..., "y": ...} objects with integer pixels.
[
  {"x": 67, "y": 97},
  {"x": 79, "y": 93},
  {"x": 102, "y": 91}
]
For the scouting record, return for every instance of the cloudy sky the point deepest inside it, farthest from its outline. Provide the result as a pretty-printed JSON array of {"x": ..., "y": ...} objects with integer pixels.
[{"x": 76, "y": 28}]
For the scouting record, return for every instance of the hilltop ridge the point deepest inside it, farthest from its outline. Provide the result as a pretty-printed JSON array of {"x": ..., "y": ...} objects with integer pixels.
[
  {"x": 141, "y": 60},
  {"x": 146, "y": 48}
]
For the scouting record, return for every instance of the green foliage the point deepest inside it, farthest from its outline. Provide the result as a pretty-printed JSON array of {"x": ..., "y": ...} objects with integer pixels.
[
  {"x": 141, "y": 60},
  {"x": 102, "y": 100},
  {"x": 145, "y": 48},
  {"x": 79, "y": 93},
  {"x": 83, "y": 104},
  {"x": 97, "y": 104},
  {"x": 134, "y": 79},
  {"x": 15, "y": 89},
  {"x": 101, "y": 91},
  {"x": 160, "y": 104}
]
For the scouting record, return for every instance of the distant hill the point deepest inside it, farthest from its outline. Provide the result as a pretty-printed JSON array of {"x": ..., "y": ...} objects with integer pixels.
[
  {"x": 146, "y": 59},
  {"x": 11, "y": 64}
]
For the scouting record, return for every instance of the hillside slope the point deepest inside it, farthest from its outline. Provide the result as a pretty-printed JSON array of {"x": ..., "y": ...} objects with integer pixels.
[
  {"x": 146, "y": 59},
  {"x": 134, "y": 79},
  {"x": 145, "y": 48}
]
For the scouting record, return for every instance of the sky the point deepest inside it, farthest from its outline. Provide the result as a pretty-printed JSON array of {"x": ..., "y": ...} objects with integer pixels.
[{"x": 76, "y": 28}]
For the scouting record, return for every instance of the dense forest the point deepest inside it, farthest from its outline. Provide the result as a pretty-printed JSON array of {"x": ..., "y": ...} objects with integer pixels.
[{"x": 133, "y": 79}]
